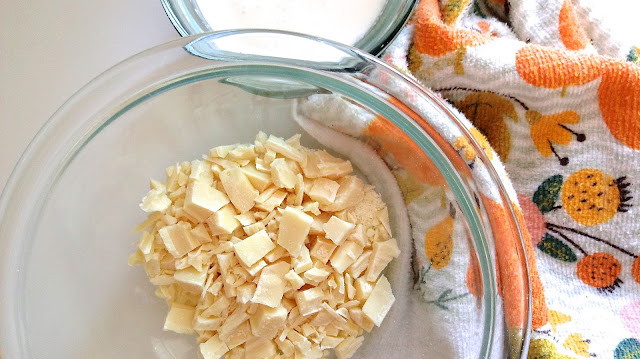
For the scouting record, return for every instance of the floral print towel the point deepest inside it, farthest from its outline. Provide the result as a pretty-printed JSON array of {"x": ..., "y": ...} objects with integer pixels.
[{"x": 557, "y": 94}]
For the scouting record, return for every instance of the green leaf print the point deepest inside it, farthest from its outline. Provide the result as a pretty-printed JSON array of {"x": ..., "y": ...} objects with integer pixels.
[
  {"x": 547, "y": 194},
  {"x": 627, "y": 349},
  {"x": 557, "y": 249}
]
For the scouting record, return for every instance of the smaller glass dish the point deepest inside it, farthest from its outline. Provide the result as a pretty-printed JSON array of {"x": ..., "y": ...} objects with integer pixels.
[{"x": 187, "y": 18}]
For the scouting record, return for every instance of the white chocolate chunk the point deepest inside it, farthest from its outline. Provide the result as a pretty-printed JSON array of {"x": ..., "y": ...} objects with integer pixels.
[
  {"x": 202, "y": 200},
  {"x": 282, "y": 175},
  {"x": 276, "y": 254},
  {"x": 221, "y": 151},
  {"x": 257, "y": 267},
  {"x": 271, "y": 285},
  {"x": 322, "y": 249},
  {"x": 345, "y": 255},
  {"x": 191, "y": 279},
  {"x": 379, "y": 302},
  {"x": 242, "y": 152},
  {"x": 253, "y": 248},
  {"x": 155, "y": 200},
  {"x": 239, "y": 189},
  {"x": 258, "y": 179},
  {"x": 246, "y": 218},
  {"x": 245, "y": 292},
  {"x": 294, "y": 279},
  {"x": 180, "y": 318},
  {"x": 302, "y": 262},
  {"x": 239, "y": 335},
  {"x": 348, "y": 347},
  {"x": 223, "y": 221},
  {"x": 358, "y": 317},
  {"x": 278, "y": 145},
  {"x": 213, "y": 348},
  {"x": 266, "y": 322},
  {"x": 233, "y": 321},
  {"x": 294, "y": 228},
  {"x": 363, "y": 289},
  {"x": 254, "y": 228},
  {"x": 273, "y": 201},
  {"x": 336, "y": 229},
  {"x": 201, "y": 172},
  {"x": 315, "y": 275},
  {"x": 324, "y": 190},
  {"x": 383, "y": 254},
  {"x": 286, "y": 347},
  {"x": 299, "y": 341},
  {"x": 349, "y": 194},
  {"x": 309, "y": 301},
  {"x": 330, "y": 342},
  {"x": 259, "y": 348},
  {"x": 177, "y": 239},
  {"x": 322, "y": 164},
  {"x": 360, "y": 265}
]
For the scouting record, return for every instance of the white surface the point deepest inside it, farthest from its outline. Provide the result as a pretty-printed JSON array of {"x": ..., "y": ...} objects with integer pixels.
[
  {"x": 338, "y": 20},
  {"x": 49, "y": 49}
]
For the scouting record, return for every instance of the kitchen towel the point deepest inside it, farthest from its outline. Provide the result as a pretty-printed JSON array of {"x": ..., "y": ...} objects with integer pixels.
[{"x": 554, "y": 85}]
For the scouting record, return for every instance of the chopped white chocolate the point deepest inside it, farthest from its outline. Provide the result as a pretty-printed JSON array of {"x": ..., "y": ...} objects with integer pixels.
[
  {"x": 383, "y": 254},
  {"x": 294, "y": 228},
  {"x": 155, "y": 200},
  {"x": 324, "y": 190},
  {"x": 348, "y": 347},
  {"x": 179, "y": 318},
  {"x": 379, "y": 302},
  {"x": 345, "y": 255},
  {"x": 268, "y": 250},
  {"x": 336, "y": 229},
  {"x": 294, "y": 279},
  {"x": 177, "y": 239},
  {"x": 309, "y": 301},
  {"x": 202, "y": 200},
  {"x": 271, "y": 285},
  {"x": 214, "y": 348},
  {"x": 191, "y": 279},
  {"x": 223, "y": 221},
  {"x": 322, "y": 249},
  {"x": 253, "y": 248},
  {"x": 266, "y": 322},
  {"x": 282, "y": 175},
  {"x": 239, "y": 189}
]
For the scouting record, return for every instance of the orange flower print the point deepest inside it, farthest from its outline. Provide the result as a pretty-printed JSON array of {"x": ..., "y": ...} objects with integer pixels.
[
  {"x": 547, "y": 130},
  {"x": 572, "y": 34}
]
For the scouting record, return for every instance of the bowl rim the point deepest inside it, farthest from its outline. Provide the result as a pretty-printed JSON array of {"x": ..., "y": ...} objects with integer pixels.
[{"x": 39, "y": 143}]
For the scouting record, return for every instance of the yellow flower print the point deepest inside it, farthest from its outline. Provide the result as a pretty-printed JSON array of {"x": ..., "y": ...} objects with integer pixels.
[
  {"x": 547, "y": 130},
  {"x": 468, "y": 152}
]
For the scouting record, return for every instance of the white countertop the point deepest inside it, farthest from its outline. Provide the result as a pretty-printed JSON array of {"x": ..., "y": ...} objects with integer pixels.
[{"x": 49, "y": 49}]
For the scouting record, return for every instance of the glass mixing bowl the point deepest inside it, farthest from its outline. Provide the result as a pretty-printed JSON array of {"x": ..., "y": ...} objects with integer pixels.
[
  {"x": 186, "y": 17},
  {"x": 67, "y": 212}
]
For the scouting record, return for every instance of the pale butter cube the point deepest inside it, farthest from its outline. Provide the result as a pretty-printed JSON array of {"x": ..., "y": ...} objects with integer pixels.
[
  {"x": 223, "y": 221},
  {"x": 363, "y": 289},
  {"x": 336, "y": 229},
  {"x": 350, "y": 193},
  {"x": 379, "y": 302},
  {"x": 278, "y": 145},
  {"x": 293, "y": 231},
  {"x": 213, "y": 348},
  {"x": 245, "y": 292},
  {"x": 324, "y": 190},
  {"x": 316, "y": 275},
  {"x": 348, "y": 347},
  {"x": 239, "y": 189},
  {"x": 360, "y": 265},
  {"x": 253, "y": 248},
  {"x": 330, "y": 342},
  {"x": 266, "y": 322},
  {"x": 177, "y": 239},
  {"x": 294, "y": 279},
  {"x": 201, "y": 172},
  {"x": 156, "y": 200},
  {"x": 221, "y": 151},
  {"x": 258, "y": 179},
  {"x": 239, "y": 335},
  {"x": 302, "y": 262},
  {"x": 259, "y": 348},
  {"x": 191, "y": 279},
  {"x": 309, "y": 301},
  {"x": 358, "y": 317},
  {"x": 273, "y": 201},
  {"x": 282, "y": 175},
  {"x": 201, "y": 200},
  {"x": 322, "y": 249},
  {"x": 383, "y": 254},
  {"x": 271, "y": 285},
  {"x": 180, "y": 318},
  {"x": 345, "y": 255},
  {"x": 322, "y": 164}
]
